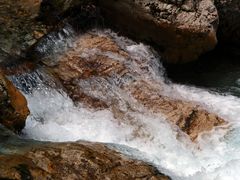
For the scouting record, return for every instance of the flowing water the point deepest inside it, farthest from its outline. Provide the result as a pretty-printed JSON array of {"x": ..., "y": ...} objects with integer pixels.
[
  {"x": 219, "y": 71},
  {"x": 55, "y": 117}
]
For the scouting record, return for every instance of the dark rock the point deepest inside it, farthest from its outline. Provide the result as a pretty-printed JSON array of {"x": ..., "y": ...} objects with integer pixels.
[
  {"x": 229, "y": 24},
  {"x": 13, "y": 106},
  {"x": 182, "y": 30},
  {"x": 18, "y": 26}
]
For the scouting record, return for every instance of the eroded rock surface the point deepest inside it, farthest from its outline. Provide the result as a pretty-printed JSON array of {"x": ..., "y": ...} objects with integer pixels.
[
  {"x": 190, "y": 117},
  {"x": 101, "y": 73},
  {"x": 13, "y": 106},
  {"x": 74, "y": 161},
  {"x": 18, "y": 27},
  {"x": 183, "y": 29}
]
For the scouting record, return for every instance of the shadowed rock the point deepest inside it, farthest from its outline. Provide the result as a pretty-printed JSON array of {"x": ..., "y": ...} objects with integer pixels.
[
  {"x": 18, "y": 26},
  {"x": 182, "y": 30},
  {"x": 13, "y": 106},
  {"x": 229, "y": 25}
]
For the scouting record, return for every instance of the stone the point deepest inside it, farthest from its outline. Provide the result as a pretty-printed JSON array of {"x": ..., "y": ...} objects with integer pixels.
[
  {"x": 19, "y": 27},
  {"x": 97, "y": 69},
  {"x": 188, "y": 116},
  {"x": 180, "y": 30},
  {"x": 13, "y": 106},
  {"x": 81, "y": 160}
]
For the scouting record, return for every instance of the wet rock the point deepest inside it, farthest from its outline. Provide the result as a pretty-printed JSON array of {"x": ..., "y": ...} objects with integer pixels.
[
  {"x": 81, "y": 160},
  {"x": 72, "y": 67},
  {"x": 189, "y": 117},
  {"x": 18, "y": 26},
  {"x": 82, "y": 14},
  {"x": 13, "y": 106},
  {"x": 98, "y": 71}
]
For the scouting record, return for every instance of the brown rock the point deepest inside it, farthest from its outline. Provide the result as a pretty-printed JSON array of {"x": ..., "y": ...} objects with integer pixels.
[
  {"x": 81, "y": 160},
  {"x": 18, "y": 26},
  {"x": 182, "y": 30},
  {"x": 72, "y": 68},
  {"x": 89, "y": 73},
  {"x": 191, "y": 118},
  {"x": 81, "y": 14},
  {"x": 13, "y": 106}
]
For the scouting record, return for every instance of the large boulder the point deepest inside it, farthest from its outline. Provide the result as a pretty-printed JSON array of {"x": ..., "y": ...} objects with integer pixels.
[
  {"x": 13, "y": 106},
  {"x": 81, "y": 160},
  {"x": 19, "y": 28},
  {"x": 182, "y": 30},
  {"x": 188, "y": 116},
  {"x": 100, "y": 69}
]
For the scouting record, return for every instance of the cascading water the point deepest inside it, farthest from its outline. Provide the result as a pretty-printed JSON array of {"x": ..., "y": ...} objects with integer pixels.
[{"x": 55, "y": 117}]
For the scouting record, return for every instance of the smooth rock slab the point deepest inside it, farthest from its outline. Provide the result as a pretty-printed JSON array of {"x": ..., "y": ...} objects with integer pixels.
[{"x": 81, "y": 160}]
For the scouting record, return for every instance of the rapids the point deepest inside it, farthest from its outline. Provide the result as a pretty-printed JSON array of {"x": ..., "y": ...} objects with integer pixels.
[{"x": 54, "y": 117}]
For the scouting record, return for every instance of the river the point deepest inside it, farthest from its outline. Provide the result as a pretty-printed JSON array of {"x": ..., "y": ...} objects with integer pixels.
[{"x": 55, "y": 117}]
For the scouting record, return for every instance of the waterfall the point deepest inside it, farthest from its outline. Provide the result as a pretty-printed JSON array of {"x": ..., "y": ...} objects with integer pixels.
[{"x": 55, "y": 117}]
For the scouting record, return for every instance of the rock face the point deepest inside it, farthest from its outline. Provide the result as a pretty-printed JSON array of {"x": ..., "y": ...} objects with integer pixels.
[
  {"x": 18, "y": 27},
  {"x": 74, "y": 161},
  {"x": 189, "y": 117},
  {"x": 79, "y": 13},
  {"x": 13, "y": 106},
  {"x": 182, "y": 30},
  {"x": 101, "y": 73},
  {"x": 229, "y": 26}
]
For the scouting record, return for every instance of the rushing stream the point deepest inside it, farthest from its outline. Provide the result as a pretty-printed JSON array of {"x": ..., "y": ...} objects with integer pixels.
[{"x": 55, "y": 117}]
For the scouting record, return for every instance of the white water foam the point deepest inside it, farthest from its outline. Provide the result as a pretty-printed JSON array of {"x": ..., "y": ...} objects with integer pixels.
[{"x": 54, "y": 117}]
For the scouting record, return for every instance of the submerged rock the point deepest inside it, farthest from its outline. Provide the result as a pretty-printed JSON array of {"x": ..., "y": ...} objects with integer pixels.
[
  {"x": 13, "y": 106},
  {"x": 182, "y": 30},
  {"x": 101, "y": 72},
  {"x": 81, "y": 160}
]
